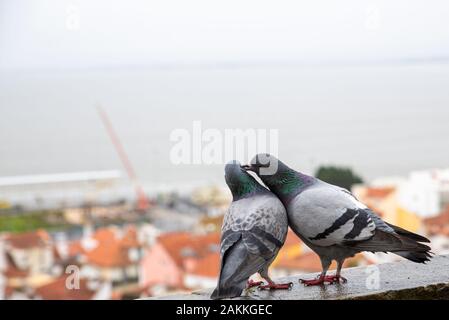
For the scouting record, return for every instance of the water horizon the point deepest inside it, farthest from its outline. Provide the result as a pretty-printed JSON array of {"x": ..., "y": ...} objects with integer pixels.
[{"x": 379, "y": 120}]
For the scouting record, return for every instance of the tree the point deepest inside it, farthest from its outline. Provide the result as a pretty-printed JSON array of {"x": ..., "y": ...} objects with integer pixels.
[{"x": 341, "y": 176}]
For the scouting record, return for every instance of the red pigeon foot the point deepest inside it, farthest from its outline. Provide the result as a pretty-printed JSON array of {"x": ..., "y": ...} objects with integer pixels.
[
  {"x": 252, "y": 283},
  {"x": 277, "y": 286},
  {"x": 335, "y": 279},
  {"x": 314, "y": 282}
]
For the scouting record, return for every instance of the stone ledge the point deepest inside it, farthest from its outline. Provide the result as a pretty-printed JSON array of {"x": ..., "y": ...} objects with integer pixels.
[{"x": 398, "y": 280}]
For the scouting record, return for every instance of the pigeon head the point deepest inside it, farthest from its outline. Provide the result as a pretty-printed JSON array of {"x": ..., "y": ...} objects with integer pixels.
[
  {"x": 240, "y": 182},
  {"x": 265, "y": 164},
  {"x": 278, "y": 177}
]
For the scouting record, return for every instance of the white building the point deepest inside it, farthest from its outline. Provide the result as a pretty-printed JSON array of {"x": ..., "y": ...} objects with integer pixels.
[{"x": 425, "y": 192}]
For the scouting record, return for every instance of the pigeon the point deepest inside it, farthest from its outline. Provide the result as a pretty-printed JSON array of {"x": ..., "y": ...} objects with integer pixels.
[
  {"x": 331, "y": 221},
  {"x": 254, "y": 229}
]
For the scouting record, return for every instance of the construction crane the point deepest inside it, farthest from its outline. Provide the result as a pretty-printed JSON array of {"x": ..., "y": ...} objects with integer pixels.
[{"x": 142, "y": 201}]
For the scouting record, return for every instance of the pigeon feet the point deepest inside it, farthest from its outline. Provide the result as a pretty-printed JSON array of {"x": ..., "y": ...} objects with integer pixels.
[
  {"x": 277, "y": 286},
  {"x": 323, "y": 279},
  {"x": 335, "y": 279},
  {"x": 314, "y": 282},
  {"x": 252, "y": 283}
]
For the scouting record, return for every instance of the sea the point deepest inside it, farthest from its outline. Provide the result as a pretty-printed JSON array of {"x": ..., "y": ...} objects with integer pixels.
[{"x": 379, "y": 119}]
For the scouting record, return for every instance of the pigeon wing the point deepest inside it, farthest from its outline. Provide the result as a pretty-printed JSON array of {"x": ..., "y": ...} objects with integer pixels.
[
  {"x": 328, "y": 215},
  {"x": 261, "y": 221}
]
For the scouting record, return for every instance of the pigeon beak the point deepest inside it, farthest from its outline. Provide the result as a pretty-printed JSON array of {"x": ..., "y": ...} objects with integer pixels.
[{"x": 246, "y": 167}]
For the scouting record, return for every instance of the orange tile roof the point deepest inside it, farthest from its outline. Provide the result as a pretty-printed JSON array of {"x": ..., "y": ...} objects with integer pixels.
[
  {"x": 172, "y": 242},
  {"x": 378, "y": 192},
  {"x": 28, "y": 240},
  {"x": 438, "y": 224},
  {"x": 57, "y": 290},
  {"x": 104, "y": 235},
  {"x": 179, "y": 244},
  {"x": 75, "y": 248},
  {"x": 130, "y": 238},
  {"x": 13, "y": 272},
  {"x": 111, "y": 249},
  {"x": 108, "y": 255},
  {"x": 207, "y": 266},
  {"x": 440, "y": 219}
]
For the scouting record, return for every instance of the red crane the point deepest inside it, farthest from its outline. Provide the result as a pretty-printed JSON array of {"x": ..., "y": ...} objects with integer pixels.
[{"x": 142, "y": 201}]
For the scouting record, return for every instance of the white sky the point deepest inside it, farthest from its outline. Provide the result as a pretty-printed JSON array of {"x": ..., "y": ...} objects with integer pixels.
[{"x": 86, "y": 33}]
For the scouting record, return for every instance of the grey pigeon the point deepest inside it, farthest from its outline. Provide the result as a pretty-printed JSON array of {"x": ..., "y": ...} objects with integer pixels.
[
  {"x": 254, "y": 229},
  {"x": 331, "y": 221}
]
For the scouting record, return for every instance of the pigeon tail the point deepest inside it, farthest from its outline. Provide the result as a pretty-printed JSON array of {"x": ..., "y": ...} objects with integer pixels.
[
  {"x": 226, "y": 292},
  {"x": 408, "y": 234},
  {"x": 403, "y": 243},
  {"x": 418, "y": 257},
  {"x": 420, "y": 253},
  {"x": 238, "y": 264}
]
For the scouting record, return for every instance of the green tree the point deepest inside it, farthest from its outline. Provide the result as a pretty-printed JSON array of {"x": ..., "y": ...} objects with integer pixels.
[{"x": 341, "y": 176}]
